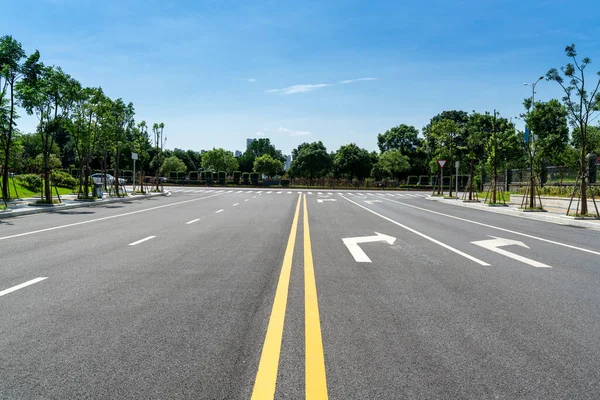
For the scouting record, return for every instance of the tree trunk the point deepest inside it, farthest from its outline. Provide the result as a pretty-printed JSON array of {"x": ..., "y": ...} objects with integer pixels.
[
  {"x": 116, "y": 182},
  {"x": 583, "y": 187},
  {"x": 5, "y": 185}
]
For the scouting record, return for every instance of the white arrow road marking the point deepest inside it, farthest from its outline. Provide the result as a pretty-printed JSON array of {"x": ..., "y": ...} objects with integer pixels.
[
  {"x": 358, "y": 253},
  {"x": 495, "y": 244},
  {"x": 322, "y": 200},
  {"x": 372, "y": 201},
  {"x": 142, "y": 240},
  {"x": 22, "y": 285}
]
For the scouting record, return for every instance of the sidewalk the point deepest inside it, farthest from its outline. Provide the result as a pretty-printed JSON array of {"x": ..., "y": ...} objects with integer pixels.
[
  {"x": 553, "y": 214},
  {"x": 28, "y": 206}
]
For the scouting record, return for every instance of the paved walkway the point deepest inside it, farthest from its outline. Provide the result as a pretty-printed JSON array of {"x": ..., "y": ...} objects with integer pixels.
[
  {"x": 28, "y": 206},
  {"x": 552, "y": 214}
]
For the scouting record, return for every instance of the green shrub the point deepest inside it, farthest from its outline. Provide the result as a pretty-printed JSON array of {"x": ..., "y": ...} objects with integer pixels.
[
  {"x": 202, "y": 178},
  {"x": 32, "y": 182},
  {"x": 209, "y": 178},
  {"x": 285, "y": 182},
  {"x": 222, "y": 175},
  {"x": 65, "y": 180},
  {"x": 246, "y": 178},
  {"x": 236, "y": 177},
  {"x": 254, "y": 178},
  {"x": 193, "y": 176}
]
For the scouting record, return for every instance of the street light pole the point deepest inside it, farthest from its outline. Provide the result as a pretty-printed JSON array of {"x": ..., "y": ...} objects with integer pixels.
[{"x": 530, "y": 146}]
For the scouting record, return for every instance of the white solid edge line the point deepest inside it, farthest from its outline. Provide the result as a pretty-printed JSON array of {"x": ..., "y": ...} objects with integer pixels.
[
  {"x": 22, "y": 285},
  {"x": 105, "y": 218},
  {"x": 192, "y": 221},
  {"x": 478, "y": 261},
  {"x": 498, "y": 228},
  {"x": 218, "y": 211},
  {"x": 141, "y": 240}
]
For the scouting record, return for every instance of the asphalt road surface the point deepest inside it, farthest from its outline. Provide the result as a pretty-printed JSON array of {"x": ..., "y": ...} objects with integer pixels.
[{"x": 237, "y": 294}]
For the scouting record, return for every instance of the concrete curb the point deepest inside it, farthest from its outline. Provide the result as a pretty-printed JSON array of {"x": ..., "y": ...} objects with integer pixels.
[
  {"x": 539, "y": 216},
  {"x": 8, "y": 213}
]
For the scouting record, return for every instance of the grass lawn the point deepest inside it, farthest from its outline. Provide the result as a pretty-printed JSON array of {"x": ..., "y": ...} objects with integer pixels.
[{"x": 23, "y": 192}]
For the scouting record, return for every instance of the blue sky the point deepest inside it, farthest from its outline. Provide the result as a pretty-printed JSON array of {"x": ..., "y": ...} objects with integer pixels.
[{"x": 219, "y": 71}]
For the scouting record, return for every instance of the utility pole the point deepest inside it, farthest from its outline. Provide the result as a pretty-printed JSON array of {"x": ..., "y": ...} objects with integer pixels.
[
  {"x": 494, "y": 184},
  {"x": 530, "y": 147}
]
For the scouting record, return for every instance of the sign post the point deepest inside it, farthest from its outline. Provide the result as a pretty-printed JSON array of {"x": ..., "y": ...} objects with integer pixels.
[
  {"x": 441, "y": 163},
  {"x": 134, "y": 157},
  {"x": 456, "y": 164}
]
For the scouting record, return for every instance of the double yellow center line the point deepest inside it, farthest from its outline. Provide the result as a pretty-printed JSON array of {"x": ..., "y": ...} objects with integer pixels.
[{"x": 266, "y": 377}]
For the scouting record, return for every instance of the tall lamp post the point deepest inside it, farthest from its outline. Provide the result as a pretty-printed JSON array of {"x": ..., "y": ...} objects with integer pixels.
[{"x": 530, "y": 146}]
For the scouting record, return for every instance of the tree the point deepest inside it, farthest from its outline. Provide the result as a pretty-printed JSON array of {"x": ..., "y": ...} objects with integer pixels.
[
  {"x": 582, "y": 103},
  {"x": 257, "y": 148},
  {"x": 267, "y": 165},
  {"x": 219, "y": 160},
  {"x": 48, "y": 93},
  {"x": 446, "y": 136},
  {"x": 549, "y": 123},
  {"x": 402, "y": 137},
  {"x": 173, "y": 164},
  {"x": 157, "y": 130},
  {"x": 310, "y": 160},
  {"x": 352, "y": 161},
  {"x": 12, "y": 69},
  {"x": 393, "y": 162}
]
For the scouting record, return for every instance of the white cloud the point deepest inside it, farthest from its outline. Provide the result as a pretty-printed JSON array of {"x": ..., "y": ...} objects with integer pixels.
[
  {"x": 301, "y": 133},
  {"x": 259, "y": 134},
  {"x": 251, "y": 80},
  {"x": 310, "y": 87},
  {"x": 300, "y": 88},
  {"x": 290, "y": 132},
  {"x": 357, "y": 80}
]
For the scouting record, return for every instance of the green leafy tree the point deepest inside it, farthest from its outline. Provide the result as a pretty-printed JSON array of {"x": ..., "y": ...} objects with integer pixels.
[
  {"x": 582, "y": 100},
  {"x": 219, "y": 160},
  {"x": 267, "y": 165},
  {"x": 446, "y": 137},
  {"x": 173, "y": 164},
  {"x": 48, "y": 93},
  {"x": 352, "y": 161},
  {"x": 393, "y": 162},
  {"x": 12, "y": 70},
  {"x": 549, "y": 123},
  {"x": 402, "y": 137},
  {"x": 310, "y": 160}
]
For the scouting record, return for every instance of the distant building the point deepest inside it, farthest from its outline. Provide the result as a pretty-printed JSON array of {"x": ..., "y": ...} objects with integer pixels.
[
  {"x": 288, "y": 162},
  {"x": 202, "y": 151},
  {"x": 238, "y": 153},
  {"x": 249, "y": 141}
]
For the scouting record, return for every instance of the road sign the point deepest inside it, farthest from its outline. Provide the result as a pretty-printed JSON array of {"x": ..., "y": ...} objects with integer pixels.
[
  {"x": 134, "y": 156},
  {"x": 358, "y": 253},
  {"x": 441, "y": 163},
  {"x": 495, "y": 244}
]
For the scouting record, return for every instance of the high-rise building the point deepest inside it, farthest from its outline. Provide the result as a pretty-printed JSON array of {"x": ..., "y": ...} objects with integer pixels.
[
  {"x": 238, "y": 153},
  {"x": 288, "y": 162},
  {"x": 248, "y": 141}
]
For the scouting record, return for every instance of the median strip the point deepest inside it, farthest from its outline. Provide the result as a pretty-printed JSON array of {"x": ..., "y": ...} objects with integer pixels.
[
  {"x": 266, "y": 377},
  {"x": 316, "y": 382}
]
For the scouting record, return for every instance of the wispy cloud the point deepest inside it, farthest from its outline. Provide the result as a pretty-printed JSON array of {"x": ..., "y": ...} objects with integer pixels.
[
  {"x": 251, "y": 80},
  {"x": 300, "y": 88},
  {"x": 357, "y": 80},
  {"x": 290, "y": 132},
  {"x": 311, "y": 87}
]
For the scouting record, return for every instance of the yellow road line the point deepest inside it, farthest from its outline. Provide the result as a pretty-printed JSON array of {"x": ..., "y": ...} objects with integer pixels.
[
  {"x": 316, "y": 381},
  {"x": 266, "y": 377}
]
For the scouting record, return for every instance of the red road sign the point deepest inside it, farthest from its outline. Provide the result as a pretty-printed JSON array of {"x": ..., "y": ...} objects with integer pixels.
[{"x": 441, "y": 163}]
